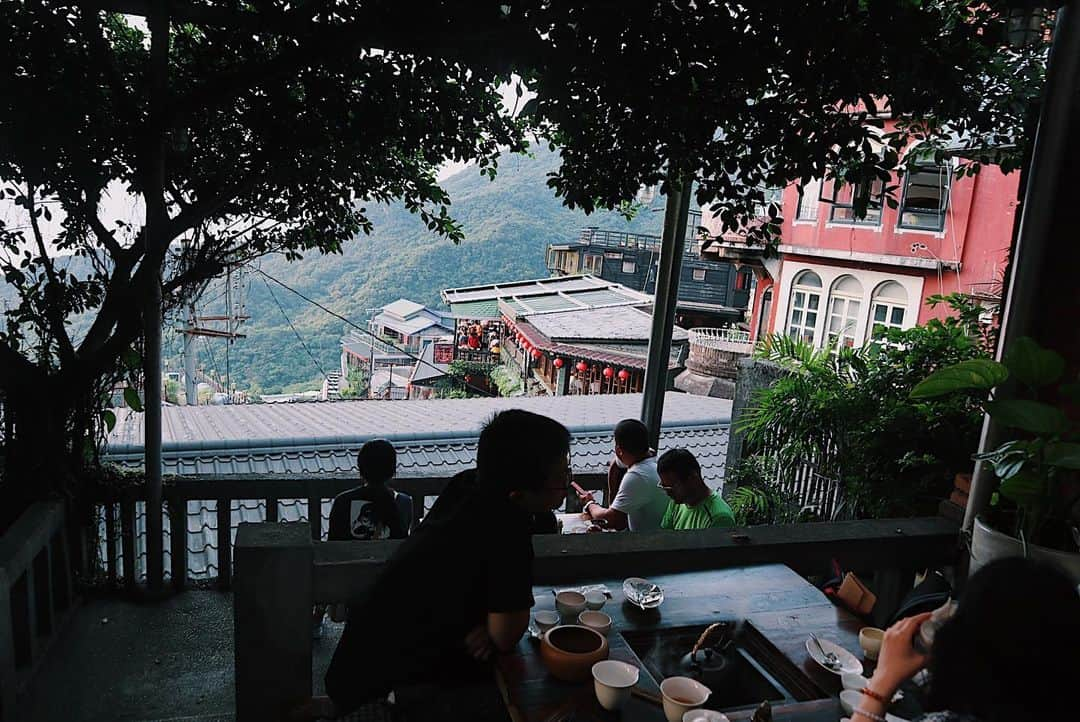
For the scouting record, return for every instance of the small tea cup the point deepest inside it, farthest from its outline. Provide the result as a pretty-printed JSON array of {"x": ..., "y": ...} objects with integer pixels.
[
  {"x": 545, "y": 619},
  {"x": 704, "y": 715},
  {"x": 595, "y": 600},
  {"x": 682, "y": 694},
  {"x": 570, "y": 604},
  {"x": 613, "y": 681},
  {"x": 595, "y": 620},
  {"x": 870, "y": 641}
]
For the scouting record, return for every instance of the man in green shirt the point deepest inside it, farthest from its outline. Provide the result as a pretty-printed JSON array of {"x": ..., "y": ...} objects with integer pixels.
[{"x": 693, "y": 505}]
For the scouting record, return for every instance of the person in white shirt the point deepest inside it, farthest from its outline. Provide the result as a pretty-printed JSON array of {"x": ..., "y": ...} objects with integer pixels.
[{"x": 639, "y": 502}]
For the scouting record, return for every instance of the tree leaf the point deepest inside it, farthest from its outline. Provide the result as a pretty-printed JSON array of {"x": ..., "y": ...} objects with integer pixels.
[
  {"x": 1033, "y": 365},
  {"x": 131, "y": 358},
  {"x": 974, "y": 374},
  {"x": 1033, "y": 416},
  {"x": 1023, "y": 488},
  {"x": 131, "y": 398},
  {"x": 109, "y": 418},
  {"x": 1063, "y": 454}
]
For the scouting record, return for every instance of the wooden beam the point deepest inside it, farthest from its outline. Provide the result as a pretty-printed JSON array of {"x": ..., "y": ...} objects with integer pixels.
[
  {"x": 224, "y": 543},
  {"x": 178, "y": 542},
  {"x": 127, "y": 541},
  {"x": 344, "y": 570}
]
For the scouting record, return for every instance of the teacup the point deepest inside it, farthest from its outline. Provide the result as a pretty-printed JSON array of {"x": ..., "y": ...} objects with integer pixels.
[
  {"x": 613, "y": 681},
  {"x": 704, "y": 715},
  {"x": 870, "y": 641},
  {"x": 682, "y": 694},
  {"x": 595, "y": 620},
  {"x": 570, "y": 604},
  {"x": 595, "y": 600},
  {"x": 545, "y": 619}
]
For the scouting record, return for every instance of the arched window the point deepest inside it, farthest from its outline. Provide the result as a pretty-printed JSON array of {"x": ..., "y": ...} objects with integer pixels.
[
  {"x": 845, "y": 302},
  {"x": 805, "y": 301},
  {"x": 888, "y": 307}
]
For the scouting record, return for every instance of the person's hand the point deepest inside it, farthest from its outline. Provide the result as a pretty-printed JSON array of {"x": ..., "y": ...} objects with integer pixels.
[
  {"x": 478, "y": 643},
  {"x": 586, "y": 497},
  {"x": 593, "y": 528},
  {"x": 898, "y": 659}
]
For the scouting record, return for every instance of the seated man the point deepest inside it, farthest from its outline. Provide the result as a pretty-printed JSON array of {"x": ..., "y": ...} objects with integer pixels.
[
  {"x": 458, "y": 590},
  {"x": 693, "y": 505},
  {"x": 370, "y": 511},
  {"x": 639, "y": 504}
]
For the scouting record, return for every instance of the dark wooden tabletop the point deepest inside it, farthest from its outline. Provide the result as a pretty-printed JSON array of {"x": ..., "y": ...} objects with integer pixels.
[{"x": 776, "y": 601}]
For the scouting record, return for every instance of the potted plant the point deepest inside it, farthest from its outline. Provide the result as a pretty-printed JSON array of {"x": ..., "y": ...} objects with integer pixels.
[{"x": 1034, "y": 511}]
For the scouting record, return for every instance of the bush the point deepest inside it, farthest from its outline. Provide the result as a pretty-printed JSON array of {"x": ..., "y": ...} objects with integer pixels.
[{"x": 850, "y": 411}]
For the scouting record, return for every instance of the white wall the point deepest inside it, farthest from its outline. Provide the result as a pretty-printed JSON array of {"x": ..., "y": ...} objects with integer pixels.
[{"x": 870, "y": 281}]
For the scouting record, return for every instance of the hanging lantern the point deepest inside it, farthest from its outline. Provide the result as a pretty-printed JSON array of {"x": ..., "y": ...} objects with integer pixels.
[
  {"x": 537, "y": 353},
  {"x": 582, "y": 366},
  {"x": 608, "y": 372},
  {"x": 623, "y": 374},
  {"x": 468, "y": 379},
  {"x": 558, "y": 363}
]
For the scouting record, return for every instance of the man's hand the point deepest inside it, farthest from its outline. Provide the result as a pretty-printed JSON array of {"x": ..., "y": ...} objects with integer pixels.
[
  {"x": 478, "y": 643},
  {"x": 586, "y": 497}
]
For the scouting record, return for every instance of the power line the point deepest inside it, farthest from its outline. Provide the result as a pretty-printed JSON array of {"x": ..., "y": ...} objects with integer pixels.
[
  {"x": 366, "y": 331},
  {"x": 289, "y": 321}
]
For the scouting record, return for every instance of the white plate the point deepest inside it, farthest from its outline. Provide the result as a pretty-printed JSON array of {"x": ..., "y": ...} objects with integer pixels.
[
  {"x": 848, "y": 661},
  {"x": 643, "y": 593}
]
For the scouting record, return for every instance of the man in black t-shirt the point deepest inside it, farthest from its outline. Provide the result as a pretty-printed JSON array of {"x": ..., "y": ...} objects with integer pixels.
[{"x": 458, "y": 591}]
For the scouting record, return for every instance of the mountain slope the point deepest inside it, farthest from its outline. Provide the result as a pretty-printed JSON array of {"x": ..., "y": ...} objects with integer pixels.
[{"x": 508, "y": 224}]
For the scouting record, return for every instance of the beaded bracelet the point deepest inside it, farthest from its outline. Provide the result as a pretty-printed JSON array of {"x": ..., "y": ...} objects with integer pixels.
[
  {"x": 873, "y": 695},
  {"x": 868, "y": 715}
]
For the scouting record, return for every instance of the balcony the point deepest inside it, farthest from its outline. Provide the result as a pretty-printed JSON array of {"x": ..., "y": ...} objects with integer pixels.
[{"x": 716, "y": 351}]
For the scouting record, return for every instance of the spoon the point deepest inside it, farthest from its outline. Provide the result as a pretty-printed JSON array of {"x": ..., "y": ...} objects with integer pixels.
[{"x": 830, "y": 659}]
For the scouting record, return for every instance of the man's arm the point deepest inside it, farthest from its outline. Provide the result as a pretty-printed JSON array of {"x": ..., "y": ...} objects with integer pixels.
[
  {"x": 507, "y": 628},
  {"x": 614, "y": 518},
  {"x": 615, "y": 474}
]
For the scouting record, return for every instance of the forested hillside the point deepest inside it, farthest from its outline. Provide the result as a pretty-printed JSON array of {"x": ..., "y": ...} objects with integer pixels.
[{"x": 508, "y": 224}]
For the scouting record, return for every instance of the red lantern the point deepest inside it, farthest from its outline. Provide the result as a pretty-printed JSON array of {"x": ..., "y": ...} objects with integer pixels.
[
  {"x": 468, "y": 379},
  {"x": 608, "y": 372},
  {"x": 582, "y": 366},
  {"x": 557, "y": 363},
  {"x": 623, "y": 374},
  {"x": 536, "y": 353}
]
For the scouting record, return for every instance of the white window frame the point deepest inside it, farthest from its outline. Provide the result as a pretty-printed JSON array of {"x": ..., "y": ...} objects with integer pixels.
[
  {"x": 804, "y": 308},
  {"x": 698, "y": 274},
  {"x": 850, "y": 315},
  {"x": 808, "y": 209},
  {"x": 890, "y": 304},
  {"x": 632, "y": 264}
]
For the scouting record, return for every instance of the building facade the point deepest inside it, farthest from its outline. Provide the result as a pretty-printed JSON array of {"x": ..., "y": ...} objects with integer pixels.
[
  {"x": 838, "y": 278},
  {"x": 712, "y": 292}
]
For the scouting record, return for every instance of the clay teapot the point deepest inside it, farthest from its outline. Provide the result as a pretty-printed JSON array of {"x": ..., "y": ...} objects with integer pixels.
[{"x": 569, "y": 651}]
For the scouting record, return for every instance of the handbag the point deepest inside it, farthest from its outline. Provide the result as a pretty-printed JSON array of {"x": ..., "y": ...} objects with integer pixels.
[{"x": 855, "y": 596}]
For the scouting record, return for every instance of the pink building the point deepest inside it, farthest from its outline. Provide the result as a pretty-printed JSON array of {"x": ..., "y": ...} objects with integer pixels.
[{"x": 837, "y": 277}]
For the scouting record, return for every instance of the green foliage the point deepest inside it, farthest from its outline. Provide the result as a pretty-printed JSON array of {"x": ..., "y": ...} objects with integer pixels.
[
  {"x": 757, "y": 499},
  {"x": 852, "y": 413},
  {"x": 507, "y": 380},
  {"x": 356, "y": 384},
  {"x": 1035, "y": 469}
]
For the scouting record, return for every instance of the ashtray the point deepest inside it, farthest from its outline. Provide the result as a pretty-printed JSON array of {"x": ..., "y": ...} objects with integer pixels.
[{"x": 642, "y": 593}]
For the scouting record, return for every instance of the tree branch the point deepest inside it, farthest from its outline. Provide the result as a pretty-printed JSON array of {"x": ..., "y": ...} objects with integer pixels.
[{"x": 53, "y": 310}]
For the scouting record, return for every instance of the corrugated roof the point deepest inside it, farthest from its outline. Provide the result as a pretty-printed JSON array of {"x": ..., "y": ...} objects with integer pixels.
[
  {"x": 403, "y": 308},
  {"x": 476, "y": 309}
]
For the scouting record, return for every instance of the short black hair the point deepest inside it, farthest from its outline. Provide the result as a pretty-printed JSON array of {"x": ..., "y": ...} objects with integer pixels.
[
  {"x": 679, "y": 461},
  {"x": 518, "y": 448},
  {"x": 632, "y": 436},
  {"x": 377, "y": 461}
]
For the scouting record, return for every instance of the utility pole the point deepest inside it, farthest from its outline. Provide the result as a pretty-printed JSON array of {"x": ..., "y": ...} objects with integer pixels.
[{"x": 664, "y": 303}]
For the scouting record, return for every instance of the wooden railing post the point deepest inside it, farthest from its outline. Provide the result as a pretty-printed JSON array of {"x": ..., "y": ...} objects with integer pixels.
[
  {"x": 314, "y": 513},
  {"x": 8, "y": 674},
  {"x": 110, "y": 542},
  {"x": 127, "y": 541},
  {"x": 224, "y": 542},
  {"x": 178, "y": 542},
  {"x": 272, "y": 605},
  {"x": 271, "y": 508}
]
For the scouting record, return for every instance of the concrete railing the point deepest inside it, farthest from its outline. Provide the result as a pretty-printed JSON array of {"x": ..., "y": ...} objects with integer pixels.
[
  {"x": 36, "y": 593},
  {"x": 281, "y": 573},
  {"x": 716, "y": 351}
]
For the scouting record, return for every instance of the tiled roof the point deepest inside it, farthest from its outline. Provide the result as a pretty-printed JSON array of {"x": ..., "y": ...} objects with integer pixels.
[
  {"x": 433, "y": 438},
  {"x": 403, "y": 308},
  {"x": 488, "y": 308},
  {"x": 620, "y": 323},
  {"x": 618, "y": 354}
]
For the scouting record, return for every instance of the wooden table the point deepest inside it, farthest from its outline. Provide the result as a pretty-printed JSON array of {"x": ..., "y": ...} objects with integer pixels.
[{"x": 776, "y": 601}]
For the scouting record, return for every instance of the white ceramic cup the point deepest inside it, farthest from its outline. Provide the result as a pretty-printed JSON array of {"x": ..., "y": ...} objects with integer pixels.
[
  {"x": 595, "y": 600},
  {"x": 682, "y": 694},
  {"x": 613, "y": 680},
  {"x": 870, "y": 641},
  {"x": 595, "y": 620},
  {"x": 545, "y": 619},
  {"x": 704, "y": 715},
  {"x": 849, "y": 700},
  {"x": 570, "y": 604},
  {"x": 851, "y": 680}
]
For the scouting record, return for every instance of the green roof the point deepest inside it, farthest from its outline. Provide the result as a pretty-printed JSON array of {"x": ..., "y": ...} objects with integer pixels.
[{"x": 488, "y": 308}]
